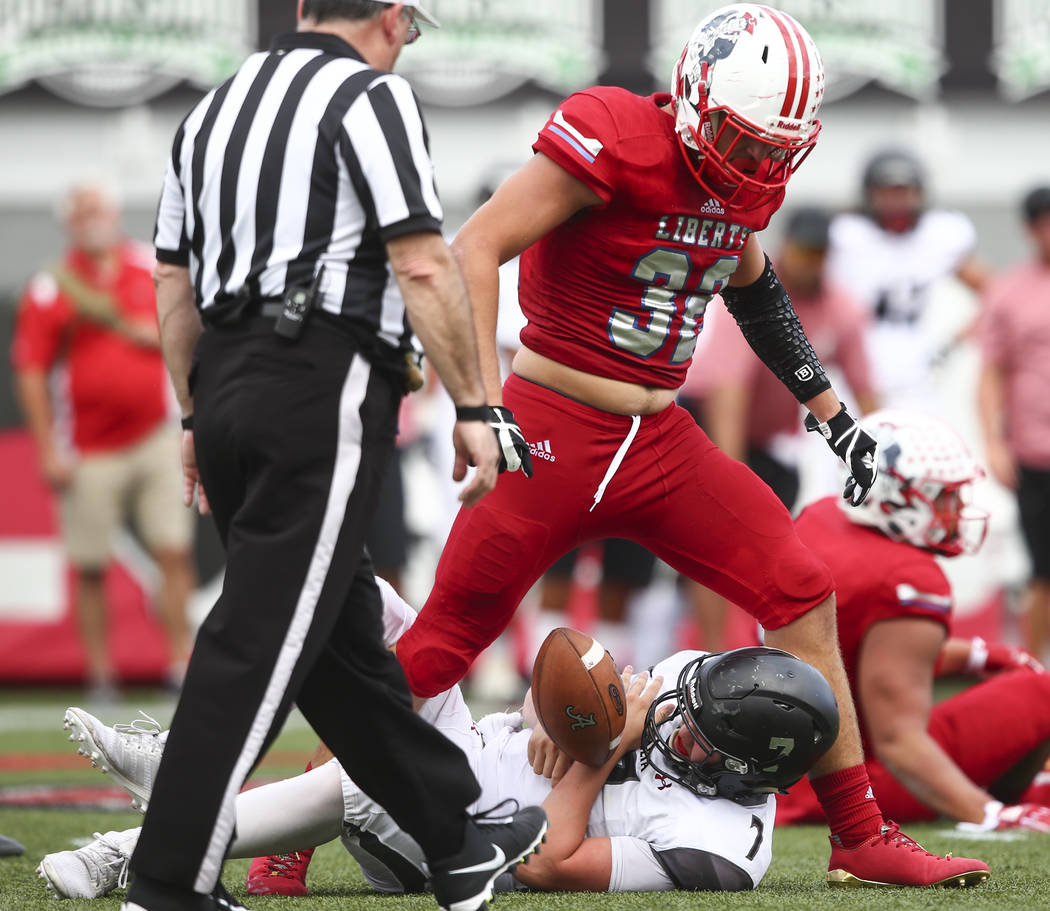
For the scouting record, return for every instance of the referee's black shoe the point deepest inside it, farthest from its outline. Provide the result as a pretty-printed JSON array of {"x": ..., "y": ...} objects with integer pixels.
[
  {"x": 150, "y": 895},
  {"x": 492, "y": 845}
]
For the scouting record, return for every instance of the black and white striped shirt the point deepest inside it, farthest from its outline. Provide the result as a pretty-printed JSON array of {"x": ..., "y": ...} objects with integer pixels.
[{"x": 304, "y": 156}]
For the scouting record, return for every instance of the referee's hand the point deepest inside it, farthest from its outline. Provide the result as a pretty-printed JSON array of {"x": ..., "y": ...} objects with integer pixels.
[
  {"x": 476, "y": 445},
  {"x": 191, "y": 479}
]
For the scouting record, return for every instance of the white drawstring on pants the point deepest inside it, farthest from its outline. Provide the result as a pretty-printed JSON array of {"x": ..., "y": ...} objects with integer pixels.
[{"x": 636, "y": 422}]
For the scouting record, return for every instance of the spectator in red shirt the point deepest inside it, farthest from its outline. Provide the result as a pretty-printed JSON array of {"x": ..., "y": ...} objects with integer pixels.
[
  {"x": 91, "y": 382},
  {"x": 747, "y": 412},
  {"x": 1013, "y": 405}
]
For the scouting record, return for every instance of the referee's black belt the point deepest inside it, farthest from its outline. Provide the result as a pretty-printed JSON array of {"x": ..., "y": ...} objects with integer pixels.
[{"x": 236, "y": 310}]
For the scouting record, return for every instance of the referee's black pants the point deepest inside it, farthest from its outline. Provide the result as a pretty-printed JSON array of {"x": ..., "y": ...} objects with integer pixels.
[{"x": 291, "y": 443}]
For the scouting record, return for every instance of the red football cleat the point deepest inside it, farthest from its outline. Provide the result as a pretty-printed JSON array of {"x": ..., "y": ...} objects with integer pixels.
[
  {"x": 279, "y": 874},
  {"x": 891, "y": 858}
]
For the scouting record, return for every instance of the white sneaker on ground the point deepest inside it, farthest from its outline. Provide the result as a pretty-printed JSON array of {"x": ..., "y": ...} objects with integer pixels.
[
  {"x": 92, "y": 871},
  {"x": 130, "y": 753}
]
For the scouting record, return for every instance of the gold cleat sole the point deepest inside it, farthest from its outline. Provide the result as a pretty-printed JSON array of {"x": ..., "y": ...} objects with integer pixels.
[{"x": 843, "y": 879}]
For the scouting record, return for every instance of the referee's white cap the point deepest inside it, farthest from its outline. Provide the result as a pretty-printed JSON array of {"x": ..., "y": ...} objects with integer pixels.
[{"x": 420, "y": 12}]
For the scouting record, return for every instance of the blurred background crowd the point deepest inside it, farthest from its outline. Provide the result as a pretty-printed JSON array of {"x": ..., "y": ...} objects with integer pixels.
[{"x": 915, "y": 242}]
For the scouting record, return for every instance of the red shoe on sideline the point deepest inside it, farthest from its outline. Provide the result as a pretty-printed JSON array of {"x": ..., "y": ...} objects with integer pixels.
[
  {"x": 279, "y": 874},
  {"x": 891, "y": 858}
]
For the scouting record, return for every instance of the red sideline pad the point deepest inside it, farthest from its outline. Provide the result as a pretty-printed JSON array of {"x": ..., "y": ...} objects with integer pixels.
[{"x": 50, "y": 652}]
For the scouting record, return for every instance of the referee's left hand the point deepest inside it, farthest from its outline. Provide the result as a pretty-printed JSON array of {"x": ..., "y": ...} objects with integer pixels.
[
  {"x": 476, "y": 445},
  {"x": 191, "y": 479}
]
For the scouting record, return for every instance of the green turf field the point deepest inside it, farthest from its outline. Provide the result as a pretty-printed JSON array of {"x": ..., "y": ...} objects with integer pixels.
[{"x": 31, "y": 732}]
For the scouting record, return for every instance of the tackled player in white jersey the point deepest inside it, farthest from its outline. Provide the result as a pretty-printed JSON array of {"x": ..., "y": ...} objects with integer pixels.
[{"x": 685, "y": 802}]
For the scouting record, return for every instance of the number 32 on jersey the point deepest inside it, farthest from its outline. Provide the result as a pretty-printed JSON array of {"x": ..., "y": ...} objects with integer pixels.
[{"x": 665, "y": 274}]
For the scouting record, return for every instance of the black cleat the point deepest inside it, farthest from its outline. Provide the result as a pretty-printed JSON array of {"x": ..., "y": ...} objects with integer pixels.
[{"x": 464, "y": 881}]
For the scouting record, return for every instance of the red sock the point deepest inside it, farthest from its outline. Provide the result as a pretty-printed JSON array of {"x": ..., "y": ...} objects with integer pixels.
[{"x": 852, "y": 810}]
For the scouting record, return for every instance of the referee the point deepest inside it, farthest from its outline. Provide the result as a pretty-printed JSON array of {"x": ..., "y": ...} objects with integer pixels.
[{"x": 297, "y": 233}]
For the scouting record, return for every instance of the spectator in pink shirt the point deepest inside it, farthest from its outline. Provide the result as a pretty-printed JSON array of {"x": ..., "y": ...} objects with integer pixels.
[
  {"x": 744, "y": 408},
  {"x": 1014, "y": 406}
]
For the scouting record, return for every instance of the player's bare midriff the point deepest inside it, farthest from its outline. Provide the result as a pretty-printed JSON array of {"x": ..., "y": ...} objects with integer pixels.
[{"x": 601, "y": 392}]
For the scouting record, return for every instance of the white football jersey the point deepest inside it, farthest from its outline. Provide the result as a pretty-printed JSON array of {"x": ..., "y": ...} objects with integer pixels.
[
  {"x": 663, "y": 835},
  {"x": 893, "y": 274}
]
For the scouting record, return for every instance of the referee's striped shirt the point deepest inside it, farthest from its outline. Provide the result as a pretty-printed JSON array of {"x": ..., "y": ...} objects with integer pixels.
[{"x": 304, "y": 156}]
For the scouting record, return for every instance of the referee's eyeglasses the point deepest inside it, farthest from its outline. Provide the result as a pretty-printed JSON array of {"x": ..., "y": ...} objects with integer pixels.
[{"x": 413, "y": 30}]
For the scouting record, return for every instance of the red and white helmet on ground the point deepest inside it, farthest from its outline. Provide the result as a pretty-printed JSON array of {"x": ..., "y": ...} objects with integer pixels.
[
  {"x": 921, "y": 495},
  {"x": 748, "y": 72}
]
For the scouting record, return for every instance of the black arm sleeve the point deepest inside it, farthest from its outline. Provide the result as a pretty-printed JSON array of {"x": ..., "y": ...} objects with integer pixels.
[{"x": 764, "y": 314}]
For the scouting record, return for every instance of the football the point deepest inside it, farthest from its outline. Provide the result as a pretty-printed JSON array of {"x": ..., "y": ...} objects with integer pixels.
[{"x": 578, "y": 696}]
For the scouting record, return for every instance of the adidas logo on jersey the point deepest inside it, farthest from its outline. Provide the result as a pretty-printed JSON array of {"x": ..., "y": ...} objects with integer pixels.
[
  {"x": 712, "y": 207},
  {"x": 542, "y": 451}
]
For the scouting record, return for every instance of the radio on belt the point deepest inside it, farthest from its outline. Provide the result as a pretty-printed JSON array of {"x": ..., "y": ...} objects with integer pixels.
[{"x": 296, "y": 305}]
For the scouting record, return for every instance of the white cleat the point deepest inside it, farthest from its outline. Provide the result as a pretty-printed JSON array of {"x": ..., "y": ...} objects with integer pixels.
[
  {"x": 92, "y": 871},
  {"x": 130, "y": 753}
]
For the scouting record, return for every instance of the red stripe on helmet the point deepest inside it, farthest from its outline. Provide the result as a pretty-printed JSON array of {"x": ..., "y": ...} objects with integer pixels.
[
  {"x": 792, "y": 54},
  {"x": 803, "y": 49}
]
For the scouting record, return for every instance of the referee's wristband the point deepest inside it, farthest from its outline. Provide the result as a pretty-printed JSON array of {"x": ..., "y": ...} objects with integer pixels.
[
  {"x": 187, "y": 422},
  {"x": 472, "y": 412}
]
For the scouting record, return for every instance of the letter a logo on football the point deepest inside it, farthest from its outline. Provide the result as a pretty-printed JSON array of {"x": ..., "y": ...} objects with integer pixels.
[{"x": 580, "y": 721}]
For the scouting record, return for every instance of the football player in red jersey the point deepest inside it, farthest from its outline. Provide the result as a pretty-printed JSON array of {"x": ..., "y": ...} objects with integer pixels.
[
  {"x": 634, "y": 212},
  {"x": 894, "y": 612}
]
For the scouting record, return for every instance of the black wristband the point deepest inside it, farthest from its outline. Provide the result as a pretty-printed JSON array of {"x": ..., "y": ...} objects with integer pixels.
[
  {"x": 187, "y": 422},
  {"x": 472, "y": 413}
]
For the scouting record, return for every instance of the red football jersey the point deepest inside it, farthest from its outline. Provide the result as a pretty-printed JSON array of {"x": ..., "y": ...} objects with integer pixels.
[
  {"x": 876, "y": 578},
  {"x": 620, "y": 289}
]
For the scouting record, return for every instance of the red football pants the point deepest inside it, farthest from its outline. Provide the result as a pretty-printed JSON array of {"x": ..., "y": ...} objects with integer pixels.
[
  {"x": 986, "y": 729},
  {"x": 674, "y": 492}
]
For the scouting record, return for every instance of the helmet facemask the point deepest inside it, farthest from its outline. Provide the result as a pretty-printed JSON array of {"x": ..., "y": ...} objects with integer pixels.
[
  {"x": 701, "y": 777},
  {"x": 936, "y": 516}
]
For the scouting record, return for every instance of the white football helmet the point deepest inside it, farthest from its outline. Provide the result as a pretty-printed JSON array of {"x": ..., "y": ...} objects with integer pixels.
[
  {"x": 749, "y": 74},
  {"x": 922, "y": 491}
]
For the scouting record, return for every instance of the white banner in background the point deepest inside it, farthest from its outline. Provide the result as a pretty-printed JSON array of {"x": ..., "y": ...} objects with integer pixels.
[
  {"x": 1021, "y": 55},
  {"x": 896, "y": 43},
  {"x": 113, "y": 53},
  {"x": 488, "y": 48}
]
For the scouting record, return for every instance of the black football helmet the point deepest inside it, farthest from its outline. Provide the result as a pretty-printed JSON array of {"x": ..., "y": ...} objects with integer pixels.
[{"x": 763, "y": 716}]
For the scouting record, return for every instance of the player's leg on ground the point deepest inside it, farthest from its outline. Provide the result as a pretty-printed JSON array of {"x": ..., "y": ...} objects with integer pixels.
[
  {"x": 305, "y": 810},
  {"x": 289, "y": 815}
]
